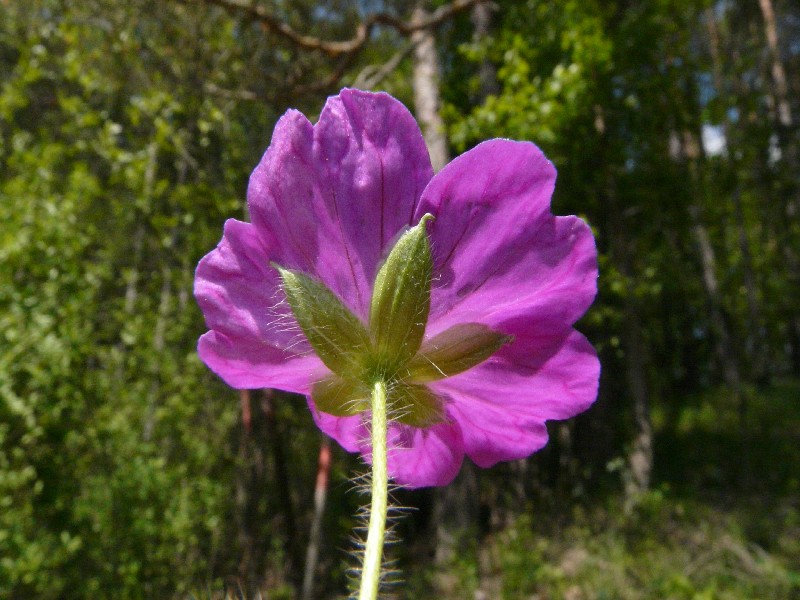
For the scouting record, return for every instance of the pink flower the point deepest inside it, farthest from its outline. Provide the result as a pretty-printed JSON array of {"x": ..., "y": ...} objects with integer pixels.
[{"x": 330, "y": 200}]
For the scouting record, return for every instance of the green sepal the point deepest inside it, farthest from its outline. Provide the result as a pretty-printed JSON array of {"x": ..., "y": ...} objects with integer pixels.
[
  {"x": 454, "y": 351},
  {"x": 336, "y": 334},
  {"x": 401, "y": 298},
  {"x": 415, "y": 405},
  {"x": 340, "y": 397}
]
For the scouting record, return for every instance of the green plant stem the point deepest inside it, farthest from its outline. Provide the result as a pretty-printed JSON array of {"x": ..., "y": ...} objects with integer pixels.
[{"x": 373, "y": 553}]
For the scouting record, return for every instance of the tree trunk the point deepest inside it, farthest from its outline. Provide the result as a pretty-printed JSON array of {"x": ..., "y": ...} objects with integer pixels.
[
  {"x": 315, "y": 534},
  {"x": 708, "y": 265},
  {"x": 640, "y": 457},
  {"x": 258, "y": 518},
  {"x": 756, "y": 346},
  {"x": 427, "y": 91},
  {"x": 784, "y": 122},
  {"x": 286, "y": 520},
  {"x": 246, "y": 535},
  {"x": 487, "y": 74},
  {"x": 164, "y": 305},
  {"x": 690, "y": 154},
  {"x": 783, "y": 109},
  {"x": 455, "y": 506}
]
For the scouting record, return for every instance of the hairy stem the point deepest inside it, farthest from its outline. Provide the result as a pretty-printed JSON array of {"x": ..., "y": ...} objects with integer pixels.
[{"x": 373, "y": 554}]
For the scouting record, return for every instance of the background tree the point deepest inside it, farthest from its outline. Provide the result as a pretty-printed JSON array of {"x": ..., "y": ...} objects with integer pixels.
[{"x": 127, "y": 132}]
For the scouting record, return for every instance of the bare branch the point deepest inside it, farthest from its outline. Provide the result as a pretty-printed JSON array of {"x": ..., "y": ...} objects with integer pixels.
[
  {"x": 331, "y": 80},
  {"x": 215, "y": 90},
  {"x": 336, "y": 48},
  {"x": 371, "y": 75}
]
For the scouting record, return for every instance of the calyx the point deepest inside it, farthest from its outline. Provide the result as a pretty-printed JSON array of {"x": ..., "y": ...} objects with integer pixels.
[{"x": 391, "y": 348}]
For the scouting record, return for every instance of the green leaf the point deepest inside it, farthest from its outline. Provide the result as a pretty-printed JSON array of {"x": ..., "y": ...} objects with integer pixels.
[
  {"x": 454, "y": 351},
  {"x": 402, "y": 297},
  {"x": 336, "y": 334},
  {"x": 415, "y": 405},
  {"x": 340, "y": 397}
]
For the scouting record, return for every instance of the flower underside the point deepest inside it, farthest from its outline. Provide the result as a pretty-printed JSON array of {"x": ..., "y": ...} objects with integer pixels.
[{"x": 390, "y": 349}]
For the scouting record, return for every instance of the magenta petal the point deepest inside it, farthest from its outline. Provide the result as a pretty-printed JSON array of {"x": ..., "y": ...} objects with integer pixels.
[
  {"x": 239, "y": 292},
  {"x": 498, "y": 251},
  {"x": 329, "y": 199},
  {"x": 502, "y": 404},
  {"x": 291, "y": 216},
  {"x": 332, "y": 196},
  {"x": 249, "y": 364},
  {"x": 425, "y": 457},
  {"x": 350, "y": 432},
  {"x": 325, "y": 199},
  {"x": 254, "y": 340},
  {"x": 416, "y": 457}
]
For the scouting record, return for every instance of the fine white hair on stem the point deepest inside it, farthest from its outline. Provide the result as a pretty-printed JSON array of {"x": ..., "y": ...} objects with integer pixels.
[{"x": 390, "y": 576}]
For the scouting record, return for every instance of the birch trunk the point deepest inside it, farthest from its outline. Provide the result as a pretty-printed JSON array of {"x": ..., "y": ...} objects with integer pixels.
[
  {"x": 781, "y": 87},
  {"x": 427, "y": 91},
  {"x": 481, "y": 17},
  {"x": 789, "y": 154},
  {"x": 455, "y": 506},
  {"x": 690, "y": 153},
  {"x": 756, "y": 346},
  {"x": 640, "y": 456}
]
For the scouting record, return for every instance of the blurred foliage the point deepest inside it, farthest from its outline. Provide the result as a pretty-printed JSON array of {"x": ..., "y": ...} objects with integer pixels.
[
  {"x": 697, "y": 535},
  {"x": 127, "y": 132},
  {"x": 106, "y": 484},
  {"x": 669, "y": 548}
]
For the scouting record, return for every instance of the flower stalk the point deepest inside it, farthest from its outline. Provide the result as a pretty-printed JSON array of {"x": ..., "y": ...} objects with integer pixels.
[{"x": 373, "y": 553}]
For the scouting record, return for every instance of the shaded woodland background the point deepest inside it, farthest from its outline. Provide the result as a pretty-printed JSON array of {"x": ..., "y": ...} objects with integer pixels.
[{"x": 127, "y": 134}]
